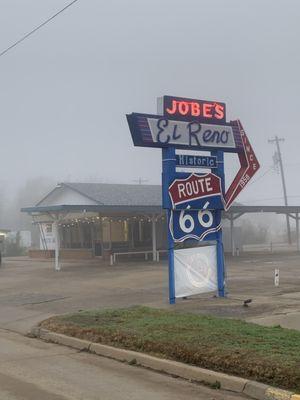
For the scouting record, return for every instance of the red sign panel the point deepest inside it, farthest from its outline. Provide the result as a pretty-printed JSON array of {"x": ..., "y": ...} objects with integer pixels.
[
  {"x": 249, "y": 167},
  {"x": 195, "y": 189},
  {"x": 192, "y": 109}
]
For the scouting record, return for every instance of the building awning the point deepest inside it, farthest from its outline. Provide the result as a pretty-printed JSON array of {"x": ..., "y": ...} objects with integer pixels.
[
  {"x": 102, "y": 209},
  {"x": 121, "y": 199}
]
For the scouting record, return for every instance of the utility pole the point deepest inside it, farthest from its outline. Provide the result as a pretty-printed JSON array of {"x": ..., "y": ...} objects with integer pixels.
[
  {"x": 278, "y": 160},
  {"x": 140, "y": 181}
]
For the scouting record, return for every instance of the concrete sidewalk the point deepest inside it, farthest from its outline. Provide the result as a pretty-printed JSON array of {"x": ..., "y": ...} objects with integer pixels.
[{"x": 34, "y": 370}]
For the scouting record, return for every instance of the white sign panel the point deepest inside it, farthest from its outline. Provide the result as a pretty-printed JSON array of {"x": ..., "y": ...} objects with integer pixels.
[
  {"x": 47, "y": 238},
  {"x": 193, "y": 134},
  {"x": 195, "y": 270}
]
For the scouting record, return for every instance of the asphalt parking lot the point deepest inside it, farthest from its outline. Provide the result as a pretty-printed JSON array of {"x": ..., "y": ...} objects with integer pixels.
[{"x": 30, "y": 290}]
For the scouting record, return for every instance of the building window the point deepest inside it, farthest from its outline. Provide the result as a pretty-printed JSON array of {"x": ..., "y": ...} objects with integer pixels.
[
  {"x": 48, "y": 228},
  {"x": 118, "y": 231}
]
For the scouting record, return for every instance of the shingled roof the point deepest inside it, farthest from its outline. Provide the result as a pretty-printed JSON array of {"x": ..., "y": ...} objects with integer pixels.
[{"x": 119, "y": 194}]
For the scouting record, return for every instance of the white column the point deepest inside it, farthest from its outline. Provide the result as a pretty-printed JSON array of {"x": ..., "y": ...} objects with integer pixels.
[
  {"x": 132, "y": 233},
  {"x": 154, "y": 246},
  {"x": 297, "y": 231},
  {"x": 140, "y": 231},
  {"x": 232, "y": 236},
  {"x": 57, "y": 244},
  {"x": 80, "y": 234}
]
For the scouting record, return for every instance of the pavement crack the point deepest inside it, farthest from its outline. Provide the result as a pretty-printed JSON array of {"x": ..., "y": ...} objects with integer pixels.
[
  {"x": 46, "y": 301},
  {"x": 44, "y": 356}
]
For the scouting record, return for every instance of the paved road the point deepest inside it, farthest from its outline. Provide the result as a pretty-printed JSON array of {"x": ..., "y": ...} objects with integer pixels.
[
  {"x": 30, "y": 290},
  {"x": 33, "y": 370}
]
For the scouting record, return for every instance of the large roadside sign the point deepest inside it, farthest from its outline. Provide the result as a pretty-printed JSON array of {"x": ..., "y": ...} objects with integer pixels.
[{"x": 194, "y": 201}]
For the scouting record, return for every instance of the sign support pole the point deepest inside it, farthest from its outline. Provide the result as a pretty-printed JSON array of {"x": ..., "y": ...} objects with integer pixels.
[
  {"x": 57, "y": 244},
  {"x": 297, "y": 231},
  {"x": 154, "y": 249},
  {"x": 220, "y": 263},
  {"x": 172, "y": 298},
  {"x": 220, "y": 250},
  {"x": 168, "y": 174}
]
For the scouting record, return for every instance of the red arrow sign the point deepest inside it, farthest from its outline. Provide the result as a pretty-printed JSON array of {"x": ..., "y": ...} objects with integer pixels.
[{"x": 249, "y": 167}]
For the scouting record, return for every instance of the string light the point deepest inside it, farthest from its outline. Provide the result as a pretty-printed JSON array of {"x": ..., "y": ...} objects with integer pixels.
[{"x": 98, "y": 219}]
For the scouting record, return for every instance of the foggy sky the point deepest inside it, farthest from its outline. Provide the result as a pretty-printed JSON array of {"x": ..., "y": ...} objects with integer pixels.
[{"x": 65, "y": 91}]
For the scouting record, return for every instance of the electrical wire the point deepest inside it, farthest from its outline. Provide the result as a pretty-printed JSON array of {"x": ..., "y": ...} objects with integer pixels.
[
  {"x": 262, "y": 176},
  {"x": 36, "y": 29},
  {"x": 269, "y": 198},
  {"x": 262, "y": 199}
]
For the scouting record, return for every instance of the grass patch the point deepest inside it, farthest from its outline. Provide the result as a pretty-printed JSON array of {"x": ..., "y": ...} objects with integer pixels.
[{"x": 269, "y": 355}]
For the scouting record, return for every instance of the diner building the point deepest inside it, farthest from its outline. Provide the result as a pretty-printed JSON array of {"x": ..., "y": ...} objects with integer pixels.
[{"x": 85, "y": 220}]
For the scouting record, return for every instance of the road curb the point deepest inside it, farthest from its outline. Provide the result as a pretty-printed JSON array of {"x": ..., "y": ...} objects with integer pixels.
[{"x": 253, "y": 389}]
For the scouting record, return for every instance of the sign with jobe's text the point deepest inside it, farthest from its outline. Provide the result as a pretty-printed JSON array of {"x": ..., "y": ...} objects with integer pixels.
[
  {"x": 197, "y": 192},
  {"x": 195, "y": 125},
  {"x": 194, "y": 109},
  {"x": 181, "y": 127}
]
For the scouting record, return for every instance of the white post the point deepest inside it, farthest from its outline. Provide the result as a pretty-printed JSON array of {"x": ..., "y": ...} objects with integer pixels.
[
  {"x": 92, "y": 228},
  {"x": 232, "y": 236},
  {"x": 154, "y": 249},
  {"x": 80, "y": 234},
  {"x": 140, "y": 231},
  {"x": 132, "y": 233},
  {"x": 297, "y": 231},
  {"x": 276, "y": 277},
  {"x": 57, "y": 245}
]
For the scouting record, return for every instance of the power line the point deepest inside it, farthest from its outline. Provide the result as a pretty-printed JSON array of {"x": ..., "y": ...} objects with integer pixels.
[
  {"x": 140, "y": 181},
  {"x": 270, "y": 198},
  {"x": 262, "y": 199},
  {"x": 262, "y": 176},
  {"x": 37, "y": 28}
]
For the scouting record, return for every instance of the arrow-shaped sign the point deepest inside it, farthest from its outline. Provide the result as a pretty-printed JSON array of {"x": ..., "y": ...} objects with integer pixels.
[{"x": 249, "y": 167}]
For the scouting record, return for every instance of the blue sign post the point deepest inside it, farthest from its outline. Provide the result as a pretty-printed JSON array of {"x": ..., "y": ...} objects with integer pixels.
[
  {"x": 220, "y": 249},
  {"x": 194, "y": 202},
  {"x": 168, "y": 175}
]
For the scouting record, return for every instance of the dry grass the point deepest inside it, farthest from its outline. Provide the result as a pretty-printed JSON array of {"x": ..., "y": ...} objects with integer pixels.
[{"x": 269, "y": 355}]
